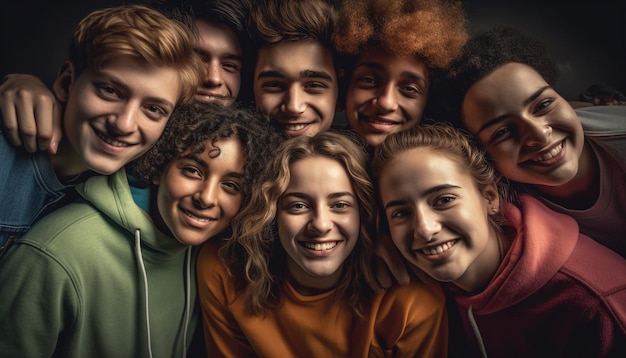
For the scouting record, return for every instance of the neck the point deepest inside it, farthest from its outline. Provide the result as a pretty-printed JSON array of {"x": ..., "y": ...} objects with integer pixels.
[
  {"x": 582, "y": 191},
  {"x": 66, "y": 162}
]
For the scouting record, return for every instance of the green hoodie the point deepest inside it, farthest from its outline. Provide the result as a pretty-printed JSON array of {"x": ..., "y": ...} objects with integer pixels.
[{"x": 97, "y": 279}]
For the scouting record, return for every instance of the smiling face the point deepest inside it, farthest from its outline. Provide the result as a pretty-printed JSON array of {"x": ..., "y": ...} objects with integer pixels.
[
  {"x": 220, "y": 51},
  {"x": 199, "y": 194},
  {"x": 387, "y": 93},
  {"x": 296, "y": 85},
  {"x": 318, "y": 221},
  {"x": 531, "y": 132},
  {"x": 113, "y": 116},
  {"x": 438, "y": 218}
]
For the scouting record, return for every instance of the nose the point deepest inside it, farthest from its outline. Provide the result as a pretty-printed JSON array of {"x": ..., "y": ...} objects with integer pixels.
[
  {"x": 387, "y": 99},
  {"x": 206, "y": 195},
  {"x": 124, "y": 122},
  {"x": 426, "y": 225},
  {"x": 536, "y": 133},
  {"x": 294, "y": 101},
  {"x": 212, "y": 74},
  {"x": 321, "y": 222}
]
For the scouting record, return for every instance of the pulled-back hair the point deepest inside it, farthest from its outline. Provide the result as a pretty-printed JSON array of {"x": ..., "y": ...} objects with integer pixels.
[
  {"x": 274, "y": 21},
  {"x": 141, "y": 33},
  {"x": 434, "y": 30},
  {"x": 255, "y": 255},
  {"x": 231, "y": 13},
  {"x": 191, "y": 126},
  {"x": 483, "y": 53},
  {"x": 457, "y": 145}
]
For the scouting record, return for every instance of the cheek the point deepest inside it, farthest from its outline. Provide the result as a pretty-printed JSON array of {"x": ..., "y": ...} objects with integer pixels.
[
  {"x": 232, "y": 206},
  {"x": 266, "y": 103},
  {"x": 152, "y": 130}
]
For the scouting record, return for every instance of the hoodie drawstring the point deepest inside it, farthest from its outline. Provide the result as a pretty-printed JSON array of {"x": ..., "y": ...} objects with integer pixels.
[
  {"x": 144, "y": 276},
  {"x": 187, "y": 298},
  {"x": 479, "y": 338}
]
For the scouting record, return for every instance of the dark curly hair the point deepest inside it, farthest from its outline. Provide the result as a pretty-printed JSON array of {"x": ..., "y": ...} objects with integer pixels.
[
  {"x": 192, "y": 125},
  {"x": 483, "y": 53}
]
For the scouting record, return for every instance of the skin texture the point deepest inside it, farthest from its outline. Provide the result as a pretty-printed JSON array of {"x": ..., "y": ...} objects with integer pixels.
[
  {"x": 220, "y": 51},
  {"x": 200, "y": 193},
  {"x": 532, "y": 134},
  {"x": 113, "y": 116},
  {"x": 296, "y": 85},
  {"x": 32, "y": 116},
  {"x": 319, "y": 206},
  {"x": 439, "y": 220},
  {"x": 386, "y": 93}
]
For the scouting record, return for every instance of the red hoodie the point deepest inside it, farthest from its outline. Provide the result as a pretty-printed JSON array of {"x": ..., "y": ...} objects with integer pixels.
[{"x": 557, "y": 293}]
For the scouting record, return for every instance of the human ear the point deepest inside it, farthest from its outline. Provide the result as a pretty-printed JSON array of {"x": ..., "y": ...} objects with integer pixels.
[
  {"x": 492, "y": 198},
  {"x": 63, "y": 82}
]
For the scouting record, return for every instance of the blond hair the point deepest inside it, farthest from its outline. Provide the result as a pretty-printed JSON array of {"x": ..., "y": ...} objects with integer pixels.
[{"x": 141, "y": 33}]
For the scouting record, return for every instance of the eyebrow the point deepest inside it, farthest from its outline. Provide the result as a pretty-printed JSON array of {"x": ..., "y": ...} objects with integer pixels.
[
  {"x": 427, "y": 192},
  {"x": 407, "y": 74},
  {"x": 196, "y": 158},
  {"x": 119, "y": 84},
  {"x": 331, "y": 196},
  {"x": 304, "y": 74},
  {"x": 502, "y": 117}
]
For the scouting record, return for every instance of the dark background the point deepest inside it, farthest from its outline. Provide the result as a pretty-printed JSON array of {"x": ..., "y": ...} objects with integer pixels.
[{"x": 586, "y": 38}]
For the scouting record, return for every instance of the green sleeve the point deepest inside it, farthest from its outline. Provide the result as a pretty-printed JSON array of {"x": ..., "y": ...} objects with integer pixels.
[{"x": 38, "y": 301}]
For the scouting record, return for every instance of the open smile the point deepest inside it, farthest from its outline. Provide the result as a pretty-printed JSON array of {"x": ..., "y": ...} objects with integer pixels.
[
  {"x": 438, "y": 249},
  {"x": 549, "y": 157},
  {"x": 319, "y": 246},
  {"x": 111, "y": 141}
]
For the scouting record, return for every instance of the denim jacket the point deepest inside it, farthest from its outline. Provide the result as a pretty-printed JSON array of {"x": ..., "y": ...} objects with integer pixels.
[{"x": 30, "y": 188}]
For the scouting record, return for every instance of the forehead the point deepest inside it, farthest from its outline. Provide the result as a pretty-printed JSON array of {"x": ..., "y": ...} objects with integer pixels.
[
  {"x": 505, "y": 89},
  {"x": 420, "y": 167},
  {"x": 319, "y": 171},
  {"x": 393, "y": 64},
  {"x": 215, "y": 37},
  {"x": 228, "y": 149},
  {"x": 295, "y": 56}
]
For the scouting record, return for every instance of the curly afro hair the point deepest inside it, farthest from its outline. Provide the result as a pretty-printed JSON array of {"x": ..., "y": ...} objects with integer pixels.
[
  {"x": 191, "y": 126},
  {"x": 434, "y": 30}
]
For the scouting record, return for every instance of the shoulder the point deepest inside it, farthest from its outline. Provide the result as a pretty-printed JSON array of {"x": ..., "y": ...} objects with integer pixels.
[
  {"x": 69, "y": 222},
  {"x": 416, "y": 298},
  {"x": 601, "y": 119},
  {"x": 212, "y": 273}
]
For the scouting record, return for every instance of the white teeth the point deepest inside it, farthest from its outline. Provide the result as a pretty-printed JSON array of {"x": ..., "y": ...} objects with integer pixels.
[
  {"x": 551, "y": 154},
  {"x": 377, "y": 121},
  {"x": 111, "y": 141},
  {"x": 294, "y": 127},
  {"x": 439, "y": 248},
  {"x": 195, "y": 217},
  {"x": 320, "y": 246}
]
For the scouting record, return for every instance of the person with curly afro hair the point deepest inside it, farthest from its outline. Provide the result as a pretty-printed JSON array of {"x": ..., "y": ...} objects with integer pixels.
[{"x": 390, "y": 52}]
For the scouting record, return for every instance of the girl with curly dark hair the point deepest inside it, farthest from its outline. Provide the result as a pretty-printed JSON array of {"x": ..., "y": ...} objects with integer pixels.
[{"x": 391, "y": 51}]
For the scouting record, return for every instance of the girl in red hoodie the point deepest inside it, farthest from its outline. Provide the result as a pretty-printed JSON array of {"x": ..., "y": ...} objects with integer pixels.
[{"x": 524, "y": 281}]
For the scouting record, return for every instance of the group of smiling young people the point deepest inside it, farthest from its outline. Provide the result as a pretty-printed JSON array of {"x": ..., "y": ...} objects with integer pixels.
[{"x": 504, "y": 233}]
